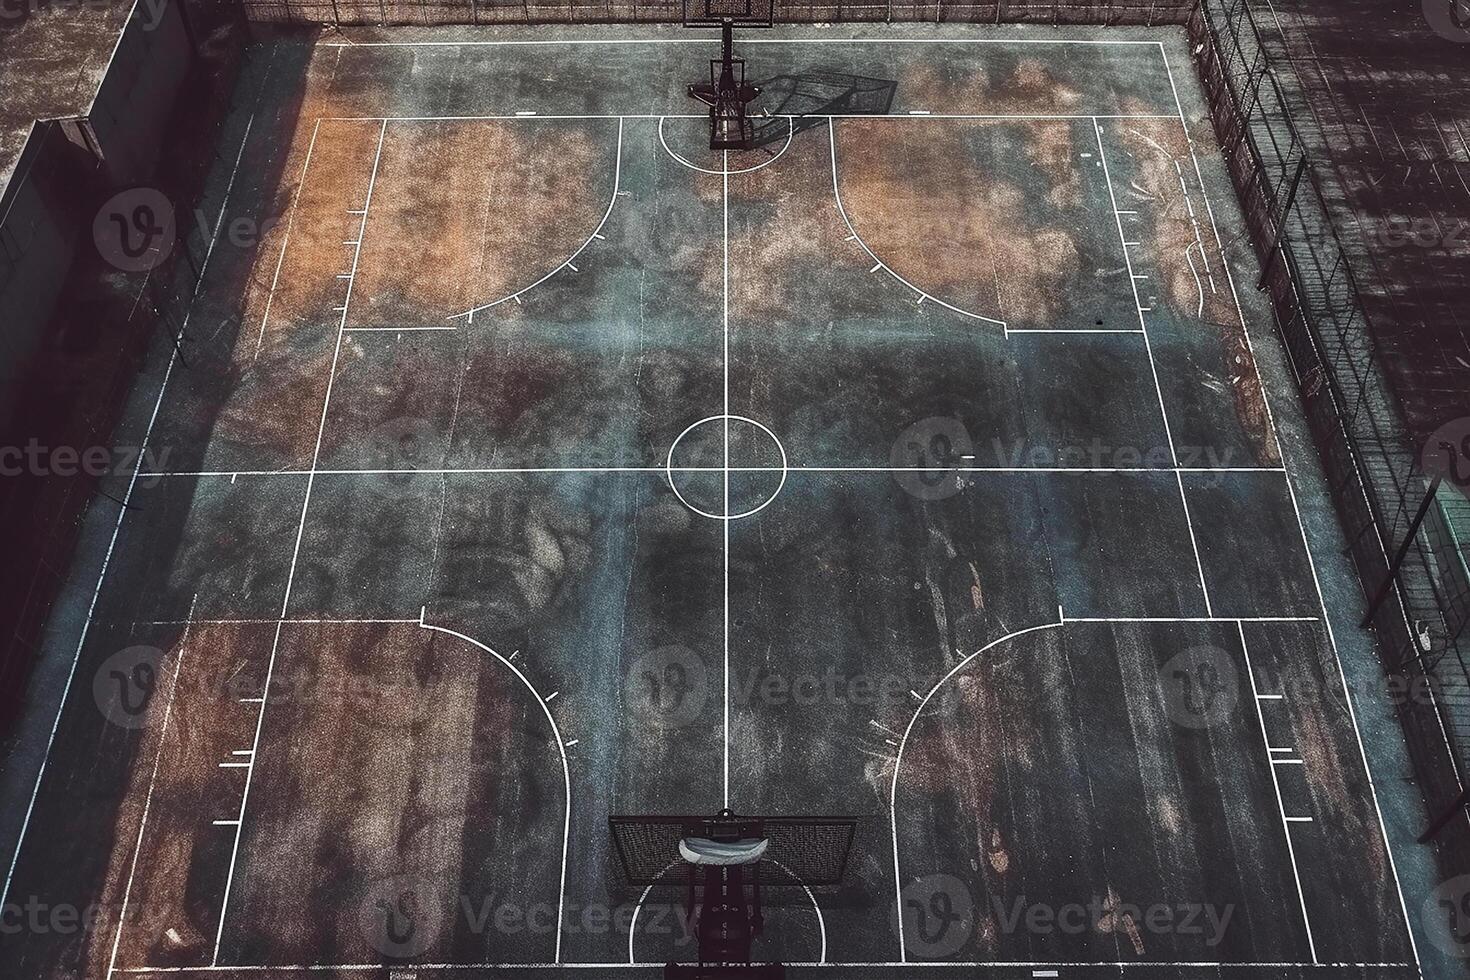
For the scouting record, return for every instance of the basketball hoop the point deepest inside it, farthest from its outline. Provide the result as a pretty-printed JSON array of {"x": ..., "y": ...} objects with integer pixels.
[
  {"x": 725, "y": 861},
  {"x": 727, "y": 93}
]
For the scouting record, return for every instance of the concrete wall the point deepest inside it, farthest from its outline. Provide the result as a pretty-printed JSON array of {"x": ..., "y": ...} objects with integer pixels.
[
  {"x": 62, "y": 373},
  {"x": 64, "y": 169},
  {"x": 131, "y": 109},
  {"x": 38, "y": 237}
]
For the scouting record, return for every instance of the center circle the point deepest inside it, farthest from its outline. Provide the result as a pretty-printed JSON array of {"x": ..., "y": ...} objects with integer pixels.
[{"x": 716, "y": 451}]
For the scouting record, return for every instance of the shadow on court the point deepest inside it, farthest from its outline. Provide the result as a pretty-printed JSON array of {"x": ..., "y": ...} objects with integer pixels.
[{"x": 814, "y": 95}]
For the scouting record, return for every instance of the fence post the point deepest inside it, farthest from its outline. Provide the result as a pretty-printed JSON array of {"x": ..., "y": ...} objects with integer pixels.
[
  {"x": 1443, "y": 820},
  {"x": 1398, "y": 559},
  {"x": 1280, "y": 228}
]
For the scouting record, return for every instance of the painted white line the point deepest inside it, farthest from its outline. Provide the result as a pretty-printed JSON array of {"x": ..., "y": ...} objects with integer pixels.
[
  {"x": 790, "y": 133},
  {"x": 117, "y": 525},
  {"x": 1296, "y": 508},
  {"x": 837, "y": 194},
  {"x": 892, "y": 117},
  {"x": 290, "y": 224},
  {"x": 665, "y": 468},
  {"x": 610, "y": 41},
  {"x": 1152, "y": 365},
  {"x": 375, "y": 970},
  {"x": 725, "y": 339},
  {"x": 296, "y": 551},
  {"x": 1280, "y": 803},
  {"x": 168, "y": 710},
  {"x": 898, "y": 768},
  {"x": 398, "y": 329},
  {"x": 1194, "y": 543},
  {"x": 566, "y": 771},
  {"x": 612, "y": 200},
  {"x": 1195, "y": 619}
]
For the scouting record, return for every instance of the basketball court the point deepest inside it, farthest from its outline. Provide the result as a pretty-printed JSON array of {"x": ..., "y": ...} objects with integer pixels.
[{"x": 541, "y": 465}]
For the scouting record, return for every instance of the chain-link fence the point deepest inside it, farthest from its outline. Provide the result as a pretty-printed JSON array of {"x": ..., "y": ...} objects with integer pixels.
[{"x": 1374, "y": 471}]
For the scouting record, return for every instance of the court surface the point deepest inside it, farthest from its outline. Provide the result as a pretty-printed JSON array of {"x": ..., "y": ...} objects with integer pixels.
[{"x": 539, "y": 464}]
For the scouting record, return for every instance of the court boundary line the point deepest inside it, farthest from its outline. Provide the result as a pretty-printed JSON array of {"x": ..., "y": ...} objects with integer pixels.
[
  {"x": 122, "y": 512},
  {"x": 377, "y": 969},
  {"x": 1152, "y": 364},
  {"x": 532, "y": 116},
  {"x": 1296, "y": 872},
  {"x": 566, "y": 470},
  {"x": 173, "y": 688},
  {"x": 1296, "y": 508},
  {"x": 566, "y": 263},
  {"x": 546, "y": 42},
  {"x": 296, "y": 553},
  {"x": 270, "y": 297}
]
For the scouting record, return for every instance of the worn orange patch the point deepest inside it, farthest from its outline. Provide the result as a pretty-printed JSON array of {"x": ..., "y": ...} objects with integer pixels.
[{"x": 953, "y": 229}]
